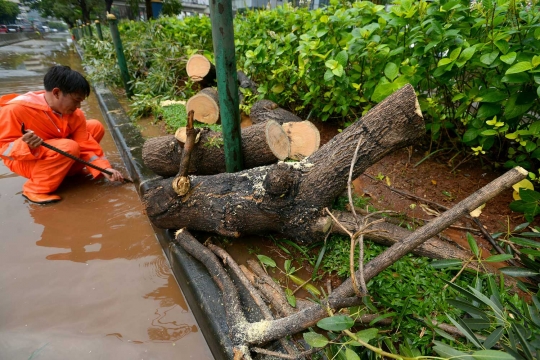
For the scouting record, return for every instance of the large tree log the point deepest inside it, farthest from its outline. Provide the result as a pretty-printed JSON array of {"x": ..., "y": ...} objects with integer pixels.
[
  {"x": 288, "y": 197},
  {"x": 264, "y": 110},
  {"x": 262, "y": 144},
  {"x": 206, "y": 106}
]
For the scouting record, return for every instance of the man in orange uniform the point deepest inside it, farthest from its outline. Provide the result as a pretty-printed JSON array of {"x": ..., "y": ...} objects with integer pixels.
[{"x": 53, "y": 116}]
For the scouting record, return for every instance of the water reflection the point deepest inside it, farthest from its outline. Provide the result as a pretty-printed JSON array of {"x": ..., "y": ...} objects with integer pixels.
[{"x": 95, "y": 221}]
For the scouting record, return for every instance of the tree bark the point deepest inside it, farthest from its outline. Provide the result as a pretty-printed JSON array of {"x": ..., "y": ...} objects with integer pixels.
[
  {"x": 162, "y": 154},
  {"x": 288, "y": 197},
  {"x": 264, "y": 110}
]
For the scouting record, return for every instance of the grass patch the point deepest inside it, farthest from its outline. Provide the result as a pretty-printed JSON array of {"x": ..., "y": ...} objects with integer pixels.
[{"x": 175, "y": 116}]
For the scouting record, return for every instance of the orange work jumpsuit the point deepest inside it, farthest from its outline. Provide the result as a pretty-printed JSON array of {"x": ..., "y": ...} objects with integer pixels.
[{"x": 72, "y": 133}]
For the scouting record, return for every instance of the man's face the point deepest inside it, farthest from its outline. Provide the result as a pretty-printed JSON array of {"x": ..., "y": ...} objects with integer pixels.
[{"x": 66, "y": 103}]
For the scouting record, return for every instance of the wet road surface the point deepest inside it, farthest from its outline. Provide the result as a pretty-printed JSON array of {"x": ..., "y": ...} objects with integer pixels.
[{"x": 84, "y": 278}]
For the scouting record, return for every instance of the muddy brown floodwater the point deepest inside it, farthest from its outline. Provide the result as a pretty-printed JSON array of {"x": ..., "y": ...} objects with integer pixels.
[{"x": 84, "y": 278}]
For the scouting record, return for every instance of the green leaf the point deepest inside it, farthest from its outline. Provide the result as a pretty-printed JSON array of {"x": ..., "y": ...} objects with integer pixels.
[
  {"x": 444, "y": 61},
  {"x": 494, "y": 337},
  {"x": 331, "y": 64},
  {"x": 468, "y": 308},
  {"x": 448, "y": 352},
  {"x": 488, "y": 59},
  {"x": 519, "y": 78},
  {"x": 351, "y": 355},
  {"x": 487, "y": 111},
  {"x": 470, "y": 135},
  {"x": 519, "y": 104},
  {"x": 477, "y": 324},
  {"x": 278, "y": 88},
  {"x": 328, "y": 75},
  {"x": 519, "y": 67},
  {"x": 491, "y": 355},
  {"x": 336, "y": 323},
  {"x": 467, "y": 54},
  {"x": 342, "y": 58},
  {"x": 525, "y": 242},
  {"x": 338, "y": 71},
  {"x": 489, "y": 132},
  {"x": 391, "y": 71},
  {"x": 473, "y": 245},
  {"x": 521, "y": 334},
  {"x": 535, "y": 61},
  {"x": 492, "y": 96},
  {"x": 384, "y": 316},
  {"x": 515, "y": 271},
  {"x": 499, "y": 258},
  {"x": 509, "y": 58},
  {"x": 465, "y": 330},
  {"x": 265, "y": 260},
  {"x": 291, "y": 299},
  {"x": 315, "y": 340},
  {"x": 455, "y": 53},
  {"x": 502, "y": 45},
  {"x": 367, "y": 334},
  {"x": 445, "y": 263}
]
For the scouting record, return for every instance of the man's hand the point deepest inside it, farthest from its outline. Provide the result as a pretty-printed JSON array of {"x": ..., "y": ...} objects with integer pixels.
[
  {"x": 116, "y": 175},
  {"x": 32, "y": 139}
]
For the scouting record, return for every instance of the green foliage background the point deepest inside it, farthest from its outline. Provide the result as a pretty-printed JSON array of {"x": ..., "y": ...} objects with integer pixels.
[{"x": 474, "y": 66}]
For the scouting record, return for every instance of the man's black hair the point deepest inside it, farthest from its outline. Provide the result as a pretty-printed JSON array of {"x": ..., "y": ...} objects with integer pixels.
[{"x": 67, "y": 80}]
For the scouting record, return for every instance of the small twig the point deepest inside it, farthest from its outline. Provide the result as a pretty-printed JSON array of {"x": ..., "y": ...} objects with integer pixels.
[
  {"x": 297, "y": 356},
  {"x": 349, "y": 182},
  {"x": 300, "y": 286},
  {"x": 459, "y": 273},
  {"x": 491, "y": 240},
  {"x": 337, "y": 222}
]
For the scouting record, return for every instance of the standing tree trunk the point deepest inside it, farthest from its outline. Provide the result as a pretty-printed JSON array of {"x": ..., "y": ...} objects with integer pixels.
[
  {"x": 288, "y": 197},
  {"x": 108, "y": 5},
  {"x": 149, "y": 13}
]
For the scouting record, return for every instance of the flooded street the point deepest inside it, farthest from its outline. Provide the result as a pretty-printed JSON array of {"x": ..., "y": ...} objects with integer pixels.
[{"x": 84, "y": 278}]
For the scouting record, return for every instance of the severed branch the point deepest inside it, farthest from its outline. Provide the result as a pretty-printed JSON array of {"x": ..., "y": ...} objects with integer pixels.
[
  {"x": 233, "y": 309},
  {"x": 243, "y": 333},
  {"x": 309, "y": 316},
  {"x": 273, "y": 292},
  {"x": 180, "y": 183},
  {"x": 228, "y": 260}
]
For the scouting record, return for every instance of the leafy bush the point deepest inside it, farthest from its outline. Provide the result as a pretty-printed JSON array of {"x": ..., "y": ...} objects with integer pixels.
[{"x": 475, "y": 66}]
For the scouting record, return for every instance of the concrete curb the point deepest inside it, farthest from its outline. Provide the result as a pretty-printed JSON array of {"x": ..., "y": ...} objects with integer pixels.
[
  {"x": 8, "y": 39},
  {"x": 202, "y": 294}
]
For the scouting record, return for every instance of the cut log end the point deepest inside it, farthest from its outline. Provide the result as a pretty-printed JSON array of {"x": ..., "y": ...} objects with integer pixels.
[
  {"x": 277, "y": 140},
  {"x": 304, "y": 137},
  {"x": 198, "y": 67},
  {"x": 206, "y": 106},
  {"x": 181, "y": 135}
]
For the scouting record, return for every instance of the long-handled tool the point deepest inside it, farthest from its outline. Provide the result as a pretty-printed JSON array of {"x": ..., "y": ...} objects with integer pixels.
[{"x": 48, "y": 146}]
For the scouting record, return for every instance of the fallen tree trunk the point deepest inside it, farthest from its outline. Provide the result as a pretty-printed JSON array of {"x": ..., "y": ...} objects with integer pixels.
[
  {"x": 288, "y": 197},
  {"x": 265, "y": 110},
  {"x": 262, "y": 144}
]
